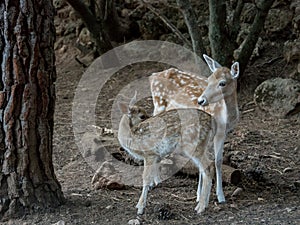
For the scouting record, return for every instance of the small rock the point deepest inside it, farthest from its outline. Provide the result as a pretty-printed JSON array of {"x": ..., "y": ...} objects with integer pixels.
[
  {"x": 278, "y": 19},
  {"x": 84, "y": 37},
  {"x": 236, "y": 192},
  {"x": 61, "y": 222},
  {"x": 288, "y": 210},
  {"x": 234, "y": 206},
  {"x": 63, "y": 49},
  {"x": 124, "y": 13},
  {"x": 109, "y": 207},
  {"x": 134, "y": 222},
  {"x": 291, "y": 50},
  {"x": 58, "y": 3},
  {"x": 107, "y": 177}
]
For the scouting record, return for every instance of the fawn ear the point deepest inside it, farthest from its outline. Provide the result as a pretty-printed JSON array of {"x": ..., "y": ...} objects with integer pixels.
[
  {"x": 235, "y": 70},
  {"x": 133, "y": 100},
  {"x": 123, "y": 107},
  {"x": 212, "y": 64}
]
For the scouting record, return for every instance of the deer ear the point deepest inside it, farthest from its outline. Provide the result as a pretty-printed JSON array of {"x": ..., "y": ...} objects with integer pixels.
[
  {"x": 123, "y": 107},
  {"x": 235, "y": 70},
  {"x": 212, "y": 64},
  {"x": 133, "y": 100}
]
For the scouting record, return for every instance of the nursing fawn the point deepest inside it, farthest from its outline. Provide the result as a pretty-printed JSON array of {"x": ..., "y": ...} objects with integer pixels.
[{"x": 179, "y": 131}]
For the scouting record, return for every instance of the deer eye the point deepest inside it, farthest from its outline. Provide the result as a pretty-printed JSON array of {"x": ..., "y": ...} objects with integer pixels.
[
  {"x": 142, "y": 117},
  {"x": 222, "y": 83}
]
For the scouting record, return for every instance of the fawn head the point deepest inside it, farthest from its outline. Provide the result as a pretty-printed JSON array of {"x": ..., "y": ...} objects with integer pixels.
[
  {"x": 221, "y": 83},
  {"x": 135, "y": 113}
]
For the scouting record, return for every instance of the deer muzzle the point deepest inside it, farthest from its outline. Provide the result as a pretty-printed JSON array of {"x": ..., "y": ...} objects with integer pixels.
[{"x": 202, "y": 100}]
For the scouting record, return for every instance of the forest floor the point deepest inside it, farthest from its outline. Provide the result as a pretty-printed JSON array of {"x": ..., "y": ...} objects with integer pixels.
[{"x": 266, "y": 150}]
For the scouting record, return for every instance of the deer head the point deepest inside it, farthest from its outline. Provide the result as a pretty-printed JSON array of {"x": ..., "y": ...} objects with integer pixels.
[
  {"x": 221, "y": 83},
  {"x": 135, "y": 114}
]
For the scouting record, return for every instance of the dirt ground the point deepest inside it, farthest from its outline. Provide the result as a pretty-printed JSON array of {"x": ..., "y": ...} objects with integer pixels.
[{"x": 264, "y": 148}]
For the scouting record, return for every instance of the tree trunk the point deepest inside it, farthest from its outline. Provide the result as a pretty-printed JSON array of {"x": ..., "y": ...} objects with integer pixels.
[
  {"x": 100, "y": 37},
  {"x": 221, "y": 45},
  {"x": 27, "y": 97},
  {"x": 255, "y": 30},
  {"x": 191, "y": 23},
  {"x": 111, "y": 21},
  {"x": 235, "y": 23}
]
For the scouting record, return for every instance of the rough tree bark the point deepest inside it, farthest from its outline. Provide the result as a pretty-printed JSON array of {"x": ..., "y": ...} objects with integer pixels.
[
  {"x": 235, "y": 23},
  {"x": 191, "y": 22},
  {"x": 27, "y": 97},
  {"x": 263, "y": 8},
  {"x": 111, "y": 21},
  {"x": 222, "y": 46},
  {"x": 96, "y": 28},
  {"x": 223, "y": 36}
]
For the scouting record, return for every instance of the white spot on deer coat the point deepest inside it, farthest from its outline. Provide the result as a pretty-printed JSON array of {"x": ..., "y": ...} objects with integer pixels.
[
  {"x": 183, "y": 82},
  {"x": 161, "y": 108}
]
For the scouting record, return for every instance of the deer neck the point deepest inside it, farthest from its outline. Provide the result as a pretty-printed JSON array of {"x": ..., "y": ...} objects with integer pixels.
[
  {"x": 126, "y": 137},
  {"x": 233, "y": 111},
  {"x": 124, "y": 132},
  {"x": 228, "y": 113}
]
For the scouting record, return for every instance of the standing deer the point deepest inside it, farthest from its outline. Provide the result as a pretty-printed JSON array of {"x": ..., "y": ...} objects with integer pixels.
[
  {"x": 216, "y": 95},
  {"x": 179, "y": 131}
]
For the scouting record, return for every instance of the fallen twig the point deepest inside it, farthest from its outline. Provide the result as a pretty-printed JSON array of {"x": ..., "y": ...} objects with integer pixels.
[
  {"x": 184, "y": 217},
  {"x": 183, "y": 198},
  {"x": 272, "y": 156},
  {"x": 81, "y": 63},
  {"x": 272, "y": 60},
  {"x": 247, "y": 111},
  {"x": 249, "y": 103},
  {"x": 288, "y": 169},
  {"x": 277, "y": 171}
]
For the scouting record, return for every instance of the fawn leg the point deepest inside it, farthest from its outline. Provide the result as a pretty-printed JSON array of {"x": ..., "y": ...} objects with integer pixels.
[
  {"x": 149, "y": 177},
  {"x": 205, "y": 192},
  {"x": 156, "y": 176},
  {"x": 143, "y": 199},
  {"x": 200, "y": 182}
]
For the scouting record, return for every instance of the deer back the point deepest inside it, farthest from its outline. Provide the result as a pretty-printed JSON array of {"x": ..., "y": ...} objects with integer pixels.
[
  {"x": 180, "y": 130},
  {"x": 172, "y": 89}
]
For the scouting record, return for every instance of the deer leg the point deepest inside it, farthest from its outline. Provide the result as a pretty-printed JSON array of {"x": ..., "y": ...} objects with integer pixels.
[
  {"x": 199, "y": 186},
  {"x": 156, "y": 175},
  {"x": 219, "y": 145},
  {"x": 205, "y": 192},
  {"x": 150, "y": 176},
  {"x": 210, "y": 174},
  {"x": 200, "y": 182}
]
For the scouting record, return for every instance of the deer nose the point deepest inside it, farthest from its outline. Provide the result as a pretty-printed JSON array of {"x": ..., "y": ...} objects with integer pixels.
[{"x": 202, "y": 101}]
